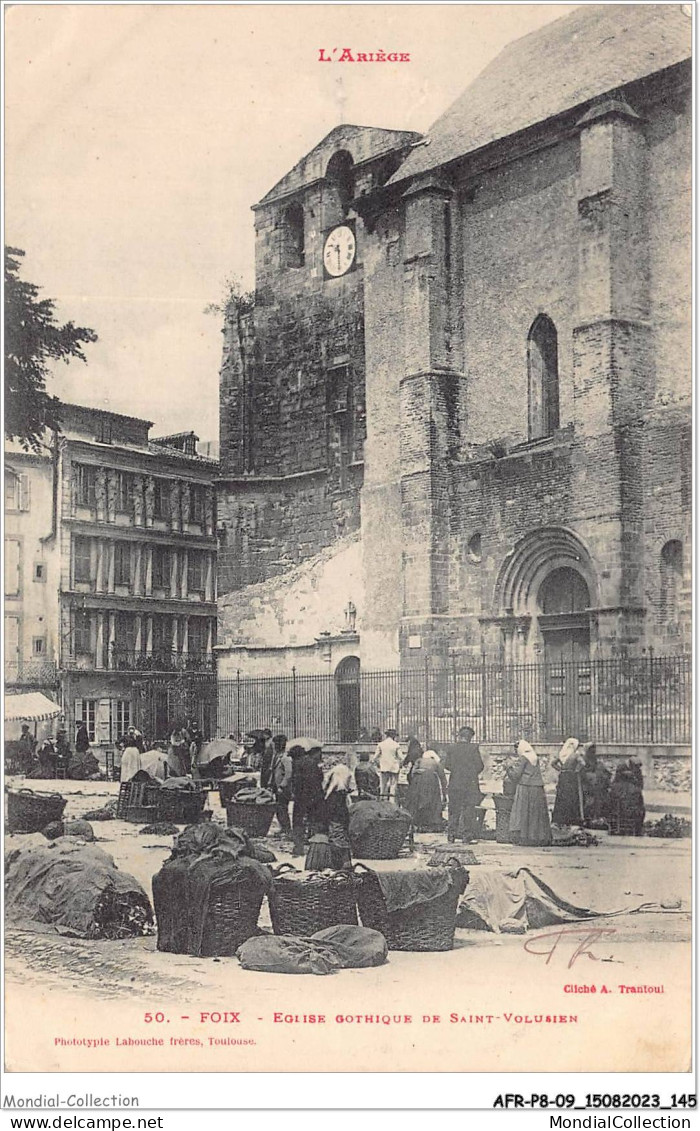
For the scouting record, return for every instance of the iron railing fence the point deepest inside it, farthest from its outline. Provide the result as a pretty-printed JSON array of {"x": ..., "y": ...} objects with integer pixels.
[
  {"x": 142, "y": 660},
  {"x": 646, "y": 700}
]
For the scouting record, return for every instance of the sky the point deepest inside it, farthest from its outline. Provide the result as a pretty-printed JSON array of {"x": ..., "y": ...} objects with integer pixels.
[{"x": 139, "y": 136}]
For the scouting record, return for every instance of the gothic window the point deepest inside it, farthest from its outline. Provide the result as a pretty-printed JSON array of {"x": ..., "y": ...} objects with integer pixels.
[
  {"x": 293, "y": 230},
  {"x": 543, "y": 378},
  {"x": 671, "y": 578}
]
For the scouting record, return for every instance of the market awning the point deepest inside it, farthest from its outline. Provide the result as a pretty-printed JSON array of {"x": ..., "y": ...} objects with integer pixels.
[{"x": 32, "y": 707}]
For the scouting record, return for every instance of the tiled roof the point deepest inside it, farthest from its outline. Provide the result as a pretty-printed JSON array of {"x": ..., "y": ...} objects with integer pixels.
[
  {"x": 362, "y": 142},
  {"x": 554, "y": 69},
  {"x": 156, "y": 448}
]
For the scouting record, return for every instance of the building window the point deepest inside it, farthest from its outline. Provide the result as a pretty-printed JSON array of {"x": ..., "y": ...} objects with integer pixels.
[
  {"x": 195, "y": 572},
  {"x": 104, "y": 431},
  {"x": 543, "y": 378},
  {"x": 125, "y": 492},
  {"x": 160, "y": 578},
  {"x": 87, "y": 478},
  {"x": 197, "y": 636},
  {"x": 81, "y": 632},
  {"x": 39, "y": 571},
  {"x": 161, "y": 498},
  {"x": 122, "y": 563},
  {"x": 86, "y": 712},
  {"x": 16, "y": 491},
  {"x": 474, "y": 547},
  {"x": 82, "y": 560},
  {"x": 162, "y": 636},
  {"x": 12, "y": 567},
  {"x": 119, "y": 718},
  {"x": 197, "y": 497},
  {"x": 293, "y": 232},
  {"x": 39, "y": 646}
]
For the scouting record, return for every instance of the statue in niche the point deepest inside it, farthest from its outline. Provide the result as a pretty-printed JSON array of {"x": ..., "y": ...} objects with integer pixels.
[
  {"x": 111, "y": 495},
  {"x": 350, "y": 616},
  {"x": 186, "y": 497},
  {"x": 138, "y": 500},
  {"x": 175, "y": 512},
  {"x": 150, "y": 494},
  {"x": 101, "y": 492},
  {"x": 209, "y": 509}
]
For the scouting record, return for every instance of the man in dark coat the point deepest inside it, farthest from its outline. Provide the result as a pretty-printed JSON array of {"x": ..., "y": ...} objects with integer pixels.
[
  {"x": 307, "y": 791},
  {"x": 464, "y": 763}
]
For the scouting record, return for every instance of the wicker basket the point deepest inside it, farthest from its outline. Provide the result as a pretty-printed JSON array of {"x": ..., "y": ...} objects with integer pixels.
[
  {"x": 141, "y": 814},
  {"x": 253, "y": 819},
  {"x": 136, "y": 795},
  {"x": 304, "y": 906},
  {"x": 503, "y": 810},
  {"x": 382, "y": 840},
  {"x": 426, "y": 926},
  {"x": 230, "y": 917},
  {"x": 228, "y": 788},
  {"x": 183, "y": 807},
  {"x": 30, "y": 812},
  {"x": 622, "y": 825}
]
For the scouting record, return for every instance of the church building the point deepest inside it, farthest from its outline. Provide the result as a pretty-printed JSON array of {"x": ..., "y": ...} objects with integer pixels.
[{"x": 455, "y": 415}]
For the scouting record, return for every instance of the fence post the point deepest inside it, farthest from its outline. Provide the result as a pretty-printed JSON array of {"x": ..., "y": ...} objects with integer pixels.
[
  {"x": 455, "y": 716},
  {"x": 238, "y": 703},
  {"x": 483, "y": 697},
  {"x": 294, "y": 698},
  {"x": 651, "y": 696},
  {"x": 427, "y": 701}
]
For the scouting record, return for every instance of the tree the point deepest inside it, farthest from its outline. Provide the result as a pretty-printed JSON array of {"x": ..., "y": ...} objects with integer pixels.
[{"x": 33, "y": 339}]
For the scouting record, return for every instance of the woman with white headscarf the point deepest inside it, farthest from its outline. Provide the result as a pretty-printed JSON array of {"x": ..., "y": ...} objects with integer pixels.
[
  {"x": 529, "y": 817},
  {"x": 338, "y": 784},
  {"x": 568, "y": 804}
]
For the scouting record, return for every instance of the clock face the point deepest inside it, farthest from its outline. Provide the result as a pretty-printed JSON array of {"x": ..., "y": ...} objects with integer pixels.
[{"x": 339, "y": 251}]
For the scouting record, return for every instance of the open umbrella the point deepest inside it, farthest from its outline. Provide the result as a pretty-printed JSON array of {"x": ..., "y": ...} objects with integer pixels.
[{"x": 305, "y": 744}]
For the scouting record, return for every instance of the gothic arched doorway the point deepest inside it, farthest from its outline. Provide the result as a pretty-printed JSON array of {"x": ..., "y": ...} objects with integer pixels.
[
  {"x": 564, "y": 601},
  {"x": 347, "y": 685}
]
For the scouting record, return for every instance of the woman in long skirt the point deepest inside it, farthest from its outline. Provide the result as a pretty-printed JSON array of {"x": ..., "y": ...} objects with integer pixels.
[
  {"x": 426, "y": 793},
  {"x": 568, "y": 803},
  {"x": 529, "y": 818}
]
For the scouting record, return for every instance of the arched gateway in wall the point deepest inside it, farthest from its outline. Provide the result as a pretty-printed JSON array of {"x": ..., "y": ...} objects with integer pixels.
[
  {"x": 347, "y": 686},
  {"x": 544, "y": 595}
]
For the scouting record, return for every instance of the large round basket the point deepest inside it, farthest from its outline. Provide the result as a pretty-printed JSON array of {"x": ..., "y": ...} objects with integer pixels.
[
  {"x": 428, "y": 926},
  {"x": 232, "y": 917},
  {"x": 383, "y": 839},
  {"x": 253, "y": 819},
  {"x": 503, "y": 808},
  {"x": 305, "y": 902},
  {"x": 29, "y": 812},
  {"x": 183, "y": 807}
]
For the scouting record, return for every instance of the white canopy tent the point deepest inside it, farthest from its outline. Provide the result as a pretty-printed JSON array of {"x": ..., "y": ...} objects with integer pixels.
[{"x": 31, "y": 707}]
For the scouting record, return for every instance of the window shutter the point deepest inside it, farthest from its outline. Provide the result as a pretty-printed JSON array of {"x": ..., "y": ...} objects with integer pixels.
[
  {"x": 24, "y": 492},
  {"x": 79, "y": 717}
]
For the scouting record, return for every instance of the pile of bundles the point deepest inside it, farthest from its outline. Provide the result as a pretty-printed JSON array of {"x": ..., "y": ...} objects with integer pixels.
[
  {"x": 77, "y": 889},
  {"x": 81, "y": 829},
  {"x": 565, "y": 836},
  {"x": 378, "y": 830},
  {"x": 669, "y": 827},
  {"x": 208, "y": 894}
]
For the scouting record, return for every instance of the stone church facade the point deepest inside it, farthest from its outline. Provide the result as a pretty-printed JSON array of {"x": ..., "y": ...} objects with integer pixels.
[{"x": 485, "y": 387}]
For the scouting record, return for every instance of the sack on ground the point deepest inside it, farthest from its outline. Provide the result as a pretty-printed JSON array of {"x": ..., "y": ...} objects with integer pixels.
[
  {"x": 287, "y": 954},
  {"x": 356, "y": 947}
]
